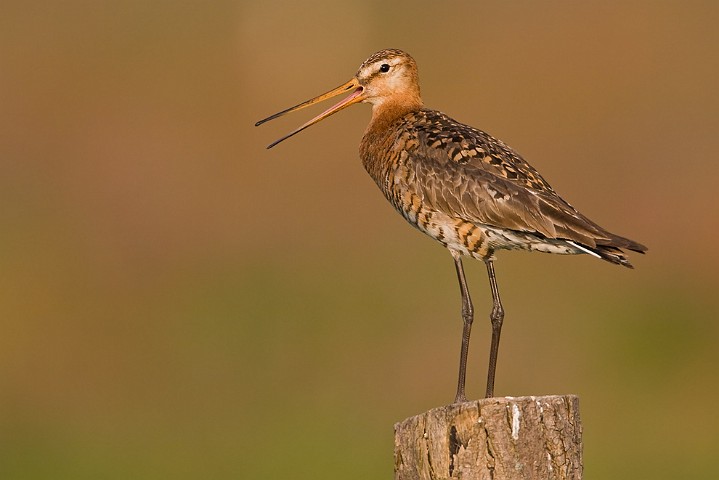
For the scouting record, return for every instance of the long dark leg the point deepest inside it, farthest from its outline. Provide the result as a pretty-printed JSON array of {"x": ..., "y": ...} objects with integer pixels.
[
  {"x": 467, "y": 316},
  {"x": 496, "y": 317}
]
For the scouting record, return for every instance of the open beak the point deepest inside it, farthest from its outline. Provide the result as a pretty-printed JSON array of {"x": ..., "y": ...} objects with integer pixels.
[{"x": 354, "y": 97}]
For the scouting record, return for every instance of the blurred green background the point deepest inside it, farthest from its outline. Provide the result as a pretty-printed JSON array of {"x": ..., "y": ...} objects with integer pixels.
[{"x": 178, "y": 302}]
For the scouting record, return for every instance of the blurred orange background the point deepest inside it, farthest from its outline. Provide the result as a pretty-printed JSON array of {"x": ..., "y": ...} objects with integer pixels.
[{"x": 177, "y": 301}]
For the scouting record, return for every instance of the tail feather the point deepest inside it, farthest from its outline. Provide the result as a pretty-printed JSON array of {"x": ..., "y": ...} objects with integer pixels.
[
  {"x": 618, "y": 242},
  {"x": 592, "y": 238},
  {"x": 613, "y": 253}
]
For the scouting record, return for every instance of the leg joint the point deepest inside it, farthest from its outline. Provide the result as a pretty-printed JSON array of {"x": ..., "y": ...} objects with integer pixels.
[
  {"x": 468, "y": 313},
  {"x": 497, "y": 315}
]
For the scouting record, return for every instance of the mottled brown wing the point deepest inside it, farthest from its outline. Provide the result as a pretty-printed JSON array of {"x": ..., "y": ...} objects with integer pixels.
[
  {"x": 467, "y": 173},
  {"x": 445, "y": 140}
]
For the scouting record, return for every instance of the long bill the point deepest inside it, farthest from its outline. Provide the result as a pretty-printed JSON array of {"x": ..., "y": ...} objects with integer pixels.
[{"x": 356, "y": 96}]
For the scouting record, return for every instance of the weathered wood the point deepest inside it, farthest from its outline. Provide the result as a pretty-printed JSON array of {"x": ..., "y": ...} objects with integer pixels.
[{"x": 502, "y": 438}]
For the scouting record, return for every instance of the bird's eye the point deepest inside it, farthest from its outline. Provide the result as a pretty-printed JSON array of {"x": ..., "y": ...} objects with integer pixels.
[{"x": 384, "y": 68}]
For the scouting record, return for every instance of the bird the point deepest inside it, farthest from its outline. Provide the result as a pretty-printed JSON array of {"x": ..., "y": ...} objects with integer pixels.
[{"x": 464, "y": 188}]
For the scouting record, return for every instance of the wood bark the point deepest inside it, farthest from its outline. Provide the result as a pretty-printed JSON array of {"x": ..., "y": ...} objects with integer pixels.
[{"x": 501, "y": 438}]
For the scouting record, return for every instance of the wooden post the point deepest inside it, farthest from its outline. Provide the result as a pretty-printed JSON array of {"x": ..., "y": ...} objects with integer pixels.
[{"x": 495, "y": 438}]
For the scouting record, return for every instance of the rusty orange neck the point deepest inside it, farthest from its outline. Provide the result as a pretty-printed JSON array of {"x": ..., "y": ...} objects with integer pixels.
[{"x": 388, "y": 112}]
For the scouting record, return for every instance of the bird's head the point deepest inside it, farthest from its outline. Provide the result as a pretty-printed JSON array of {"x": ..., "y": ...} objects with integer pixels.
[{"x": 386, "y": 79}]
